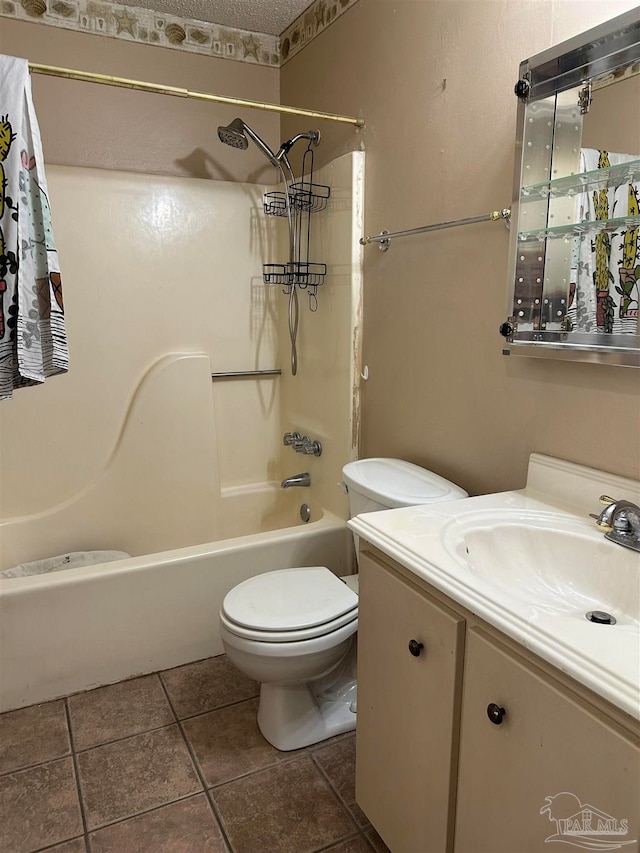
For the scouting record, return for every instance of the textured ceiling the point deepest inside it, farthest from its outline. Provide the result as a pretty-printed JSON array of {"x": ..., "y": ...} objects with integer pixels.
[{"x": 258, "y": 16}]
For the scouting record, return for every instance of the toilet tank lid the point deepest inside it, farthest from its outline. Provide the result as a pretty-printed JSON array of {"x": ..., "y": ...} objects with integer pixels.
[
  {"x": 289, "y": 599},
  {"x": 396, "y": 483}
]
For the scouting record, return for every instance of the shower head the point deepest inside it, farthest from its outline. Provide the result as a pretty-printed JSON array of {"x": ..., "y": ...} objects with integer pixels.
[
  {"x": 235, "y": 135},
  {"x": 311, "y": 135}
]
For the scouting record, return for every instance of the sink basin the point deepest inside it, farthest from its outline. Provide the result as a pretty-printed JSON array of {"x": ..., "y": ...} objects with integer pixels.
[{"x": 559, "y": 563}]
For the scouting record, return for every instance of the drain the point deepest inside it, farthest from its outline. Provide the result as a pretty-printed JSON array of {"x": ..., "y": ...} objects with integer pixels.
[
  {"x": 305, "y": 512},
  {"x": 600, "y": 617}
]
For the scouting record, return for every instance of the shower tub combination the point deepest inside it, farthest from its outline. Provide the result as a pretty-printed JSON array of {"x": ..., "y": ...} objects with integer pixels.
[{"x": 75, "y": 629}]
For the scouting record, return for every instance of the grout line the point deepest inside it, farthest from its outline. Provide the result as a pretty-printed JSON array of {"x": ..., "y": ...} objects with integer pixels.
[
  {"x": 57, "y": 845},
  {"x": 293, "y": 755},
  {"x": 199, "y": 772},
  {"x": 218, "y": 817},
  {"x": 211, "y": 710},
  {"x": 96, "y": 687},
  {"x": 282, "y": 760},
  {"x": 37, "y": 764},
  {"x": 77, "y": 776},
  {"x": 46, "y": 760},
  {"x": 129, "y": 736},
  {"x": 336, "y": 793},
  {"x": 111, "y": 823},
  {"x": 175, "y": 723},
  {"x": 332, "y": 844}
]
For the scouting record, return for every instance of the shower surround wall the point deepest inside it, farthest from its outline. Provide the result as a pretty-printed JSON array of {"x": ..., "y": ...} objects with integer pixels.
[
  {"x": 137, "y": 450},
  {"x": 155, "y": 266},
  {"x": 323, "y": 400}
]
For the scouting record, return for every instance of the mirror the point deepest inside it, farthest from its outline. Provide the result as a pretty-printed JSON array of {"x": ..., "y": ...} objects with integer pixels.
[{"x": 575, "y": 247}]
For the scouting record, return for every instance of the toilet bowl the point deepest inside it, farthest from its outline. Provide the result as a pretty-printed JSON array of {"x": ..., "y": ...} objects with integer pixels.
[{"x": 294, "y": 630}]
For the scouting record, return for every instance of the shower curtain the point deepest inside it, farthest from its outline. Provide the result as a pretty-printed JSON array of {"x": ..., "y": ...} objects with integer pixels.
[
  {"x": 33, "y": 342},
  {"x": 606, "y": 267}
]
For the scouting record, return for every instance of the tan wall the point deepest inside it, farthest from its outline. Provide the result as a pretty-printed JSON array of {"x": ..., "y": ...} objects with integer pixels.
[
  {"x": 440, "y": 393},
  {"x": 85, "y": 124},
  {"x": 613, "y": 120}
]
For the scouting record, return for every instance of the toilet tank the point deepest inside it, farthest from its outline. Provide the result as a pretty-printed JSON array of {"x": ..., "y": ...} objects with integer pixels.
[{"x": 375, "y": 484}]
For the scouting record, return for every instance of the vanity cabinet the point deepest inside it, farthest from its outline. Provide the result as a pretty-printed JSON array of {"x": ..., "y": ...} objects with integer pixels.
[
  {"x": 542, "y": 769},
  {"x": 476, "y": 745},
  {"x": 409, "y": 679}
]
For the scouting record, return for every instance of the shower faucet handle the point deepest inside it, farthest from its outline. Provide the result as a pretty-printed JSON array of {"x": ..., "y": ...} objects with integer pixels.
[
  {"x": 302, "y": 444},
  {"x": 312, "y": 448}
]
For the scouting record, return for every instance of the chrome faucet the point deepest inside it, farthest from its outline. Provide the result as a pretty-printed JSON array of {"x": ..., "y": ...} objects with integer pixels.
[
  {"x": 296, "y": 480},
  {"x": 621, "y": 520}
]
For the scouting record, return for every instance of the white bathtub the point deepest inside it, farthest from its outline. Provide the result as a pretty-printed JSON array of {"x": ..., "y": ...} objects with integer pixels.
[
  {"x": 157, "y": 493},
  {"x": 81, "y": 628}
]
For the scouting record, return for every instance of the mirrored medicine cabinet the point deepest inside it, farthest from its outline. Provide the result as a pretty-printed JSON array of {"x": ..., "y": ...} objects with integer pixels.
[{"x": 574, "y": 275}]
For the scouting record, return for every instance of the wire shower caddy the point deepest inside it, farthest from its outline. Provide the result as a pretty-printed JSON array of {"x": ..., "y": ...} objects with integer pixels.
[{"x": 304, "y": 198}]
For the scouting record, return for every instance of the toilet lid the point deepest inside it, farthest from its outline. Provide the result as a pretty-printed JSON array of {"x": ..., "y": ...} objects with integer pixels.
[
  {"x": 396, "y": 483},
  {"x": 289, "y": 600}
]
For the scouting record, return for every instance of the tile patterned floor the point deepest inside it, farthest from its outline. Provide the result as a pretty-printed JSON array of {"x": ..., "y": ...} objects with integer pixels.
[{"x": 172, "y": 763}]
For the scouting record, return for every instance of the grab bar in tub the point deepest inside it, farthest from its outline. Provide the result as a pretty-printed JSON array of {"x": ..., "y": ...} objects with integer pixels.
[{"x": 241, "y": 374}]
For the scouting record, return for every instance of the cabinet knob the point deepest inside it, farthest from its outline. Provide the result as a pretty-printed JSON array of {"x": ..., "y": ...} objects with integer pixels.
[
  {"x": 495, "y": 713},
  {"x": 415, "y": 648}
]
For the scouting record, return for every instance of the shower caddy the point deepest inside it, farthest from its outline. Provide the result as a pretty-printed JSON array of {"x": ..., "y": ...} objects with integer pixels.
[{"x": 304, "y": 198}]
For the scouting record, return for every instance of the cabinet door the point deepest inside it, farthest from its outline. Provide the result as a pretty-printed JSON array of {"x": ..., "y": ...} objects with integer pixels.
[
  {"x": 554, "y": 769},
  {"x": 407, "y": 707}
]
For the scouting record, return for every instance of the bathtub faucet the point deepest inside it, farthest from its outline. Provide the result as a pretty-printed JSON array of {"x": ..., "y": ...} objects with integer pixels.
[{"x": 296, "y": 480}]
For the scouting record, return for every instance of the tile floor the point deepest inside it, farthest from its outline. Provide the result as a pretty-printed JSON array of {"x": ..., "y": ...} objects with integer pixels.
[{"x": 172, "y": 763}]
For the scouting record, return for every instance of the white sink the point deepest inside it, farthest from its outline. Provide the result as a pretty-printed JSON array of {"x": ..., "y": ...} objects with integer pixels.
[
  {"x": 548, "y": 560},
  {"x": 532, "y": 564}
]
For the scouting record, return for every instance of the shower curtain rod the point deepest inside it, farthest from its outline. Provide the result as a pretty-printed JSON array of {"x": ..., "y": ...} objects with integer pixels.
[
  {"x": 384, "y": 238},
  {"x": 125, "y": 83}
]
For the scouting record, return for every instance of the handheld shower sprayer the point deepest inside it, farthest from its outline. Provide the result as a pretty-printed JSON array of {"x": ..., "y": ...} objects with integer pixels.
[{"x": 235, "y": 135}]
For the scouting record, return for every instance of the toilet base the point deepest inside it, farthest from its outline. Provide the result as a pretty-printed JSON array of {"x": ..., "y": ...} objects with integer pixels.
[{"x": 297, "y": 715}]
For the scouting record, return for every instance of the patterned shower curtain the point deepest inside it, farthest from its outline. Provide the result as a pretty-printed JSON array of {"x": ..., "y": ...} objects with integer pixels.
[
  {"x": 606, "y": 267},
  {"x": 33, "y": 341}
]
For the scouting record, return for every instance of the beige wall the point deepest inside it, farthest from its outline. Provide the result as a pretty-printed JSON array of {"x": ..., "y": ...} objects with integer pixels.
[
  {"x": 613, "y": 120},
  {"x": 440, "y": 393},
  {"x": 85, "y": 124}
]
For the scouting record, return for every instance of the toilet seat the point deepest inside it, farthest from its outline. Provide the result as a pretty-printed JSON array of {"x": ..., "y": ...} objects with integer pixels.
[
  {"x": 288, "y": 636},
  {"x": 289, "y": 605}
]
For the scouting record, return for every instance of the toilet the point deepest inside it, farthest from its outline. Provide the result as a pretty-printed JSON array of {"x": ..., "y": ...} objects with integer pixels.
[{"x": 294, "y": 629}]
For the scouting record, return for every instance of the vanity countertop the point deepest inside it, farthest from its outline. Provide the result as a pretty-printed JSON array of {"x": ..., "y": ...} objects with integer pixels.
[{"x": 427, "y": 541}]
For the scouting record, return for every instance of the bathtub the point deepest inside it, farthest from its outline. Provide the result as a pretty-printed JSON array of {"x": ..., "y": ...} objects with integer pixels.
[
  {"x": 81, "y": 628},
  {"x": 156, "y": 495}
]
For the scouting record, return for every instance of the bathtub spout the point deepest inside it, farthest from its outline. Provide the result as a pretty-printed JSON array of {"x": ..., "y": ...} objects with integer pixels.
[{"x": 296, "y": 480}]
